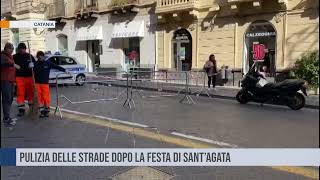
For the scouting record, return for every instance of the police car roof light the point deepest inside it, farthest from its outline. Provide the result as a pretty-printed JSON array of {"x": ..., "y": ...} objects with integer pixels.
[{"x": 57, "y": 53}]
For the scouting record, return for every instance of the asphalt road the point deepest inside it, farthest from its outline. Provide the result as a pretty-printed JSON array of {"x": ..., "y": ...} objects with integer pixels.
[
  {"x": 216, "y": 120},
  {"x": 57, "y": 133}
]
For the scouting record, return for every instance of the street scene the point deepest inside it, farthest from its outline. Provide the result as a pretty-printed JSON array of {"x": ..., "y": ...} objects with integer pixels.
[{"x": 160, "y": 74}]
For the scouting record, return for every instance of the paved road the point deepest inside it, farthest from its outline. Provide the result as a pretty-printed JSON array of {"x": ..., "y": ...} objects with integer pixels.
[
  {"x": 213, "y": 119},
  {"x": 57, "y": 133}
]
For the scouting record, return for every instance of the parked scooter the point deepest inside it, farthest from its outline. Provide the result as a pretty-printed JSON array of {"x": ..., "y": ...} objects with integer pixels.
[{"x": 255, "y": 88}]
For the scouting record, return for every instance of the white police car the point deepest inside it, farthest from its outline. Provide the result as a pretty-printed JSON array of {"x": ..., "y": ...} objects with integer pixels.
[{"x": 76, "y": 69}]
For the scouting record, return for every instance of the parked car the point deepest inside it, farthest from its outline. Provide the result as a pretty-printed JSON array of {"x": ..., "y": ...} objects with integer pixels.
[{"x": 77, "y": 70}]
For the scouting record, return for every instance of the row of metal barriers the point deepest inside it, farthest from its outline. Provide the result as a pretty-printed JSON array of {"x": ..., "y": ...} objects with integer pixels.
[{"x": 126, "y": 86}]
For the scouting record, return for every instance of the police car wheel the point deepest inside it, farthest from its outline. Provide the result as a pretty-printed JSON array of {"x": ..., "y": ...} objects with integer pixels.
[{"x": 80, "y": 79}]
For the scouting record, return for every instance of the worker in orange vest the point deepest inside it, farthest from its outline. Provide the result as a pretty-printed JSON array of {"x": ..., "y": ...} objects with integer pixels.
[{"x": 24, "y": 80}]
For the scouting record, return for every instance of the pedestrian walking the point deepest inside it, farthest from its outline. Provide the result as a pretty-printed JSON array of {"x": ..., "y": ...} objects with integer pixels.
[
  {"x": 41, "y": 74},
  {"x": 24, "y": 81},
  {"x": 210, "y": 67},
  {"x": 8, "y": 73}
]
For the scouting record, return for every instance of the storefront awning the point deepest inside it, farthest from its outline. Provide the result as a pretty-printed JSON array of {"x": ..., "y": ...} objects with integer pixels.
[
  {"x": 91, "y": 33},
  {"x": 131, "y": 29}
]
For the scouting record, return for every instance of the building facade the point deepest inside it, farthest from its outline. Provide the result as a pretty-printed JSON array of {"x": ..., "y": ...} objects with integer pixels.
[
  {"x": 104, "y": 35},
  {"x": 24, "y": 10},
  {"x": 236, "y": 31},
  {"x": 170, "y": 34}
]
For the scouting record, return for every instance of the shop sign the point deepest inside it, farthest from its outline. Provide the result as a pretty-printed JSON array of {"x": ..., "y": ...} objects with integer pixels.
[
  {"x": 261, "y": 34},
  {"x": 126, "y": 34},
  {"x": 258, "y": 52}
]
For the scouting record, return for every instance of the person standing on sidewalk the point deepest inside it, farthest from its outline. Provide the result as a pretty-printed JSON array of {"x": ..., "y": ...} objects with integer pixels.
[
  {"x": 8, "y": 73},
  {"x": 41, "y": 74},
  {"x": 210, "y": 68},
  {"x": 24, "y": 80}
]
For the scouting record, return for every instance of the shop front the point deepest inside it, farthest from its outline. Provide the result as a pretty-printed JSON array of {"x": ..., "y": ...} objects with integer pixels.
[
  {"x": 129, "y": 35},
  {"x": 92, "y": 38},
  {"x": 239, "y": 33},
  {"x": 260, "y": 46}
]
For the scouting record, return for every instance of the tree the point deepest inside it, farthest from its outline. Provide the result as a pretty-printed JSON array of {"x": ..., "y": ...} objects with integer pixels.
[{"x": 307, "y": 68}]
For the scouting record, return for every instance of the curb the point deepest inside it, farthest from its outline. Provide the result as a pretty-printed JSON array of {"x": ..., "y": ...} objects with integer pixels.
[{"x": 308, "y": 106}]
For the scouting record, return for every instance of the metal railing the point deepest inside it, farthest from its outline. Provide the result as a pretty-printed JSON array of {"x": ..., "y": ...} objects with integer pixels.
[
  {"x": 175, "y": 5},
  {"x": 166, "y": 3},
  {"x": 86, "y": 5},
  {"x": 115, "y": 86},
  {"x": 116, "y": 3}
]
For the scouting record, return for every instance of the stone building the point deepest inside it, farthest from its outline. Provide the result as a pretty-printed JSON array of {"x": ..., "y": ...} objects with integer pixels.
[
  {"x": 236, "y": 31},
  {"x": 24, "y": 10},
  {"x": 104, "y": 35},
  {"x": 170, "y": 34}
]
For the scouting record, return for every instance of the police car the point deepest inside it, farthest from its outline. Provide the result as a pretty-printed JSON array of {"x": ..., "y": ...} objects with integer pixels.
[{"x": 76, "y": 70}]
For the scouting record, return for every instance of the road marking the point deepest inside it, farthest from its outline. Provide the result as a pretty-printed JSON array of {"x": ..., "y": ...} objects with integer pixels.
[
  {"x": 209, "y": 141},
  {"x": 138, "y": 131},
  {"x": 219, "y": 143},
  {"x": 106, "y": 118},
  {"x": 312, "y": 173}
]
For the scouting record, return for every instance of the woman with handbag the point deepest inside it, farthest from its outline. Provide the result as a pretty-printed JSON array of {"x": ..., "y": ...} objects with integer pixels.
[{"x": 210, "y": 67}]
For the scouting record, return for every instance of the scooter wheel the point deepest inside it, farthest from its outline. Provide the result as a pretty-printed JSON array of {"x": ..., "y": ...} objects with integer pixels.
[
  {"x": 296, "y": 101},
  {"x": 242, "y": 97}
]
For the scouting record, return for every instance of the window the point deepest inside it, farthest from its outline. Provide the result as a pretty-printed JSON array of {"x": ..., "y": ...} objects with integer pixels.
[
  {"x": 63, "y": 44},
  {"x": 15, "y": 38},
  {"x": 89, "y": 3},
  {"x": 67, "y": 61},
  {"x": 54, "y": 60},
  {"x": 134, "y": 51}
]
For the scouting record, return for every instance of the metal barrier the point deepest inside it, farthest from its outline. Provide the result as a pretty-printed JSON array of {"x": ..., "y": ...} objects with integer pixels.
[
  {"x": 164, "y": 84},
  {"x": 157, "y": 83},
  {"x": 200, "y": 79},
  {"x": 103, "y": 80}
]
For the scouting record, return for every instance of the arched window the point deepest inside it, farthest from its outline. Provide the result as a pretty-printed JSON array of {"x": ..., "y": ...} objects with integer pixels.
[{"x": 63, "y": 44}]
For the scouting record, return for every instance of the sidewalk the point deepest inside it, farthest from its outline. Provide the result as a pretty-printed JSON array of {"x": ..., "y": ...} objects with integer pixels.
[{"x": 223, "y": 92}]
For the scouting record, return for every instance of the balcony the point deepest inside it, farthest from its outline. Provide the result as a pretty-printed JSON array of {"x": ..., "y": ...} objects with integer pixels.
[
  {"x": 7, "y": 7},
  {"x": 23, "y": 6},
  {"x": 255, "y": 3},
  {"x": 86, "y": 6},
  {"x": 29, "y": 6},
  {"x": 166, "y": 6},
  {"x": 56, "y": 10},
  {"x": 122, "y": 3},
  {"x": 124, "y": 6}
]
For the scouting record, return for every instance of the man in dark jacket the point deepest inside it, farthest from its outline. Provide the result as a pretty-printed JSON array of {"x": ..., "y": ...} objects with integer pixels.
[
  {"x": 8, "y": 73},
  {"x": 41, "y": 73},
  {"x": 24, "y": 80}
]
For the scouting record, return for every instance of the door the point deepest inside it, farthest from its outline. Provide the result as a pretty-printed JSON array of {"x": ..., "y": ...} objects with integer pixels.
[
  {"x": 180, "y": 56},
  {"x": 93, "y": 55},
  {"x": 182, "y": 50}
]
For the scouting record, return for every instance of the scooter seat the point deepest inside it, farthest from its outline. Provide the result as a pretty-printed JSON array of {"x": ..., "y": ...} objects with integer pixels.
[{"x": 286, "y": 83}]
